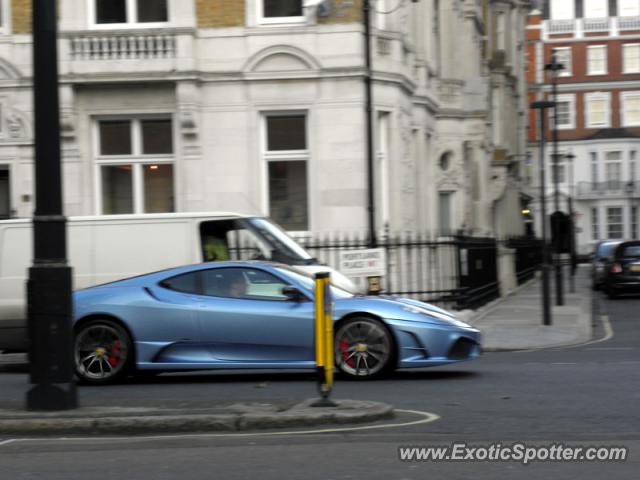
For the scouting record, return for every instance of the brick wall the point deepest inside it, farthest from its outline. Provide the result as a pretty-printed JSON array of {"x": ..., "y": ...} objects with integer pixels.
[
  {"x": 21, "y": 16},
  {"x": 220, "y": 13}
]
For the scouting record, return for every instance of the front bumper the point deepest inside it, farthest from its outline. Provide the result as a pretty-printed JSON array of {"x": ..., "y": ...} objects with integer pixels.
[
  {"x": 430, "y": 345},
  {"x": 624, "y": 283}
]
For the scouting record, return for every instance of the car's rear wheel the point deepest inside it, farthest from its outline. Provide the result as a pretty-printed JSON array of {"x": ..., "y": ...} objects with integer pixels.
[
  {"x": 102, "y": 352},
  {"x": 612, "y": 294},
  {"x": 364, "y": 348}
]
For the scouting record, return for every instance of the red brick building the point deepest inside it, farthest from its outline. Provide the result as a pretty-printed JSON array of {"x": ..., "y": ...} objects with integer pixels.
[{"x": 598, "y": 43}]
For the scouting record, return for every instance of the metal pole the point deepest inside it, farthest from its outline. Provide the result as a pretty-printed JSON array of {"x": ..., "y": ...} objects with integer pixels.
[
  {"x": 546, "y": 291},
  {"x": 572, "y": 228},
  {"x": 554, "y": 67},
  {"x": 371, "y": 213},
  {"x": 49, "y": 285}
]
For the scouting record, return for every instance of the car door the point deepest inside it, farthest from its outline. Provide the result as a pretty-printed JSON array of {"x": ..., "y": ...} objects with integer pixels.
[
  {"x": 170, "y": 318},
  {"x": 256, "y": 324}
]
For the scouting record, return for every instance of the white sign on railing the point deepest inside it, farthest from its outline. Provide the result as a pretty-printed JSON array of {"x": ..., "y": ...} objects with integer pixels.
[{"x": 363, "y": 263}]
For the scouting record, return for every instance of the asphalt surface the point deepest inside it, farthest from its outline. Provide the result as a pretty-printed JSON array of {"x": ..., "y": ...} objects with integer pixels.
[{"x": 585, "y": 395}]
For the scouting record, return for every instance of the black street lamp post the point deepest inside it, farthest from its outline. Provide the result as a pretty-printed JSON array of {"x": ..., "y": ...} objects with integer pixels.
[
  {"x": 554, "y": 67},
  {"x": 371, "y": 214},
  {"x": 546, "y": 293},
  {"x": 49, "y": 286},
  {"x": 630, "y": 190},
  {"x": 572, "y": 226}
]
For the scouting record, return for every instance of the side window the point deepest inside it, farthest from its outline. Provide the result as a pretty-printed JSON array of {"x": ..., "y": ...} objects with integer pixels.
[
  {"x": 186, "y": 283},
  {"x": 245, "y": 283},
  {"x": 229, "y": 240}
]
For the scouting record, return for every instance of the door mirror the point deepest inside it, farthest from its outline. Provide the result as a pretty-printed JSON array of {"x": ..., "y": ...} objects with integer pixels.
[{"x": 293, "y": 294}]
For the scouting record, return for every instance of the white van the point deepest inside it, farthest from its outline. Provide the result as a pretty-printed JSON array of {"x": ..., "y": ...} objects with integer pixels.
[{"x": 107, "y": 248}]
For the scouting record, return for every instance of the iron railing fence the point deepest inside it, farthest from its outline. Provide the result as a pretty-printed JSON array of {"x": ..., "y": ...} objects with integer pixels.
[
  {"x": 528, "y": 256},
  {"x": 452, "y": 271}
]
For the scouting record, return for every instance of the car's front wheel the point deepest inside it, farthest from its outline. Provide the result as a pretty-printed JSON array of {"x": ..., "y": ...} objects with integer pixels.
[
  {"x": 364, "y": 348},
  {"x": 102, "y": 352}
]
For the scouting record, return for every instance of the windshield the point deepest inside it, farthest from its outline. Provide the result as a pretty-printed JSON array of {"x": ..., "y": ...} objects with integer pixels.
[
  {"x": 631, "y": 251},
  {"x": 308, "y": 281},
  {"x": 281, "y": 243}
]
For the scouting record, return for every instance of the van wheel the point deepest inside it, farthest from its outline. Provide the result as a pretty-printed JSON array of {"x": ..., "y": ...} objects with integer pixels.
[
  {"x": 102, "y": 352},
  {"x": 611, "y": 293}
]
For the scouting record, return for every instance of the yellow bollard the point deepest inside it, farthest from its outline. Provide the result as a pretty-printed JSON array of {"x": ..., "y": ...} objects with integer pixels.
[{"x": 324, "y": 338}]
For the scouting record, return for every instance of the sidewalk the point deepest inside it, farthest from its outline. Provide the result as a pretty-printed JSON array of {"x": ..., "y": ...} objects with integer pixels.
[{"x": 515, "y": 322}]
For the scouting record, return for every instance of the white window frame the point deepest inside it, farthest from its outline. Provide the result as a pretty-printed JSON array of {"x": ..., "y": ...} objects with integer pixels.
[
  {"x": 567, "y": 71},
  {"x": 621, "y": 224},
  {"x": 620, "y": 167},
  {"x": 606, "y": 96},
  {"x": 592, "y": 48},
  {"x": 631, "y": 4},
  {"x": 587, "y": 8},
  {"x": 595, "y": 224},
  {"x": 131, "y": 15},
  {"x": 285, "y": 155},
  {"x": 624, "y": 96},
  {"x": 136, "y": 159},
  {"x": 275, "y": 21},
  {"x": 626, "y": 47},
  {"x": 562, "y": 10},
  {"x": 571, "y": 100},
  {"x": 595, "y": 171}
]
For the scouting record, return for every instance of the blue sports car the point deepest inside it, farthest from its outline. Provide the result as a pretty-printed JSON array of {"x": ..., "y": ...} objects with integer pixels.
[{"x": 252, "y": 315}]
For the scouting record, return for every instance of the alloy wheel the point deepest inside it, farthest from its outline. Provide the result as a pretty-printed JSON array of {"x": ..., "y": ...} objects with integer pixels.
[
  {"x": 101, "y": 352},
  {"x": 364, "y": 348}
]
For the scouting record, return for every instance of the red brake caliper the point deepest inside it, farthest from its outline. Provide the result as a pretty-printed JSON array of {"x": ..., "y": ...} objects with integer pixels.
[
  {"x": 344, "y": 349},
  {"x": 116, "y": 350}
]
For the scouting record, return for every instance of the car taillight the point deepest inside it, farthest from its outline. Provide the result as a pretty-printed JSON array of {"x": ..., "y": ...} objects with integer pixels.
[{"x": 616, "y": 268}]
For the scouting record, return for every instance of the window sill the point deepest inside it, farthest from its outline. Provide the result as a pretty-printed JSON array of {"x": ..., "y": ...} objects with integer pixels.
[
  {"x": 280, "y": 21},
  {"x": 129, "y": 26}
]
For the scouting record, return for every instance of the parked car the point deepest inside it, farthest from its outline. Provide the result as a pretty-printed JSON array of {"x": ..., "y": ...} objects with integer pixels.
[
  {"x": 602, "y": 254},
  {"x": 252, "y": 315},
  {"x": 623, "y": 271}
]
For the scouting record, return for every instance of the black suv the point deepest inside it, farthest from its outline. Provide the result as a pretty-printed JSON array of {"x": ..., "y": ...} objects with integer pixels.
[
  {"x": 601, "y": 257},
  {"x": 622, "y": 273}
]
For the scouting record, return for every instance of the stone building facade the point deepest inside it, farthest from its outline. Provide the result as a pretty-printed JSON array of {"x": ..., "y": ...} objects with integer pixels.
[{"x": 258, "y": 106}]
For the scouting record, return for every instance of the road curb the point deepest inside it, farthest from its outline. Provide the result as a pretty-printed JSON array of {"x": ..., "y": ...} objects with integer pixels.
[{"x": 234, "y": 418}]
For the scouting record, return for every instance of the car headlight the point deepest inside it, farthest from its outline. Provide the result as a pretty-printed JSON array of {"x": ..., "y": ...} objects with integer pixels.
[{"x": 440, "y": 316}]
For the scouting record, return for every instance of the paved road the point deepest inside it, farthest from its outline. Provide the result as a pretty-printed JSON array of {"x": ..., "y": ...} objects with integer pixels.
[{"x": 584, "y": 395}]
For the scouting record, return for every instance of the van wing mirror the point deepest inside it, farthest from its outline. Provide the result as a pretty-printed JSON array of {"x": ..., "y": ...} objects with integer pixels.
[{"x": 293, "y": 294}]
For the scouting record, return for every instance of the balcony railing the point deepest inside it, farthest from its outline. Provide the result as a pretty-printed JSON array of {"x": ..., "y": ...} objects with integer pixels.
[
  {"x": 595, "y": 24},
  {"x": 580, "y": 26},
  {"x": 629, "y": 23},
  {"x": 562, "y": 26},
  {"x": 610, "y": 188},
  {"x": 137, "y": 46}
]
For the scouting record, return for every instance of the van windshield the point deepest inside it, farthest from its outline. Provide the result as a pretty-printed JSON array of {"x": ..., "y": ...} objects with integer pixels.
[
  {"x": 249, "y": 239},
  {"x": 279, "y": 240}
]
